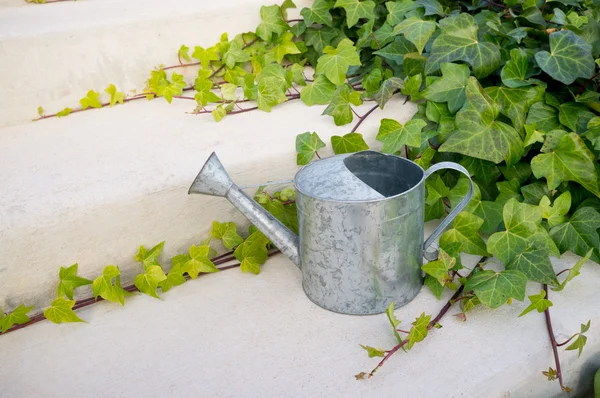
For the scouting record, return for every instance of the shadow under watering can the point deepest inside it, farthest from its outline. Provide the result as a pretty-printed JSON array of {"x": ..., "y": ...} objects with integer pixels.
[{"x": 360, "y": 221}]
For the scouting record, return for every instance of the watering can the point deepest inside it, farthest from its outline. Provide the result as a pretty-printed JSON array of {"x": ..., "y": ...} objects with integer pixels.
[{"x": 360, "y": 221}]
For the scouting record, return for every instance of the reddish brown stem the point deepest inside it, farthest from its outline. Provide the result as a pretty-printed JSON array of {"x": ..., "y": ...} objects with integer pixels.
[
  {"x": 553, "y": 342},
  {"x": 362, "y": 118},
  {"x": 181, "y": 65},
  {"x": 586, "y": 83},
  {"x": 563, "y": 271},
  {"x": 568, "y": 341}
]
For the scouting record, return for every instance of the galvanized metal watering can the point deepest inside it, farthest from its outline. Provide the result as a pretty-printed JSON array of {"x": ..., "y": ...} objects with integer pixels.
[{"x": 360, "y": 218}]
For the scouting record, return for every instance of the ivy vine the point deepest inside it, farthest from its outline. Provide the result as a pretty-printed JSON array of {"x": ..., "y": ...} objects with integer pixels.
[{"x": 507, "y": 88}]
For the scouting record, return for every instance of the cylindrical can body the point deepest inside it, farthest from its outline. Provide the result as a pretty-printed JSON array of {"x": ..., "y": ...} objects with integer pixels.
[{"x": 357, "y": 257}]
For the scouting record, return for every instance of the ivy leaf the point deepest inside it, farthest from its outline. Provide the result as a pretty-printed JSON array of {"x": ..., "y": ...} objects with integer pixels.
[
  {"x": 40, "y": 111},
  {"x": 104, "y": 286},
  {"x": 64, "y": 112},
  {"x": 465, "y": 232},
  {"x": 436, "y": 189},
  {"x": 439, "y": 269},
  {"x": 169, "y": 89},
  {"x": 387, "y": 90},
  {"x": 389, "y": 311},
  {"x": 514, "y": 72},
  {"x": 396, "y": 50},
  {"x": 417, "y": 31},
  {"x": 412, "y": 85},
  {"x": 543, "y": 116},
  {"x": 570, "y": 160},
  {"x": 17, "y": 317},
  {"x": 236, "y": 54},
  {"x": 450, "y": 87},
  {"x": 148, "y": 257},
  {"x": 69, "y": 281},
  {"x": 398, "y": 10},
  {"x": 459, "y": 42},
  {"x": 339, "y": 107},
  {"x": 593, "y": 133},
  {"x": 394, "y": 135},
  {"x": 495, "y": 288},
  {"x": 62, "y": 311},
  {"x": 550, "y": 374},
  {"x": 320, "y": 38},
  {"x": 184, "y": 52},
  {"x": 148, "y": 281},
  {"x": 434, "y": 286},
  {"x": 306, "y": 146},
  {"x": 419, "y": 330},
  {"x": 284, "y": 46},
  {"x": 205, "y": 55},
  {"x": 570, "y": 57},
  {"x": 521, "y": 221},
  {"x": 204, "y": 95},
  {"x": 334, "y": 63},
  {"x": 372, "y": 351},
  {"x": 515, "y": 102},
  {"x": 175, "y": 276},
  {"x": 535, "y": 264},
  {"x": 538, "y": 302},
  {"x": 318, "y": 13},
  {"x": 351, "y": 142},
  {"x": 228, "y": 92},
  {"x": 319, "y": 92},
  {"x": 227, "y": 233},
  {"x": 252, "y": 253},
  {"x": 219, "y": 113},
  {"x": 356, "y": 9},
  {"x": 480, "y": 134},
  {"x": 199, "y": 261},
  {"x": 575, "y": 116},
  {"x": 432, "y": 7},
  {"x": 269, "y": 95},
  {"x": 533, "y": 135},
  {"x": 482, "y": 170},
  {"x": 579, "y": 234},
  {"x": 555, "y": 214},
  {"x": 272, "y": 22},
  {"x": 298, "y": 74},
  {"x": 90, "y": 100},
  {"x": 578, "y": 344},
  {"x": 574, "y": 271},
  {"x": 115, "y": 96}
]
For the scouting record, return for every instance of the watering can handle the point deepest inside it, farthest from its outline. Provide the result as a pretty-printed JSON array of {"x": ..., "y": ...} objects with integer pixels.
[{"x": 432, "y": 255}]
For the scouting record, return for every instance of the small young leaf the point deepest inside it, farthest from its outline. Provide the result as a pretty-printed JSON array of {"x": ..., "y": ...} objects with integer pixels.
[
  {"x": 574, "y": 271},
  {"x": 148, "y": 257},
  {"x": 104, "y": 286},
  {"x": 199, "y": 261},
  {"x": 538, "y": 302},
  {"x": 69, "y": 281},
  {"x": 219, "y": 113},
  {"x": 550, "y": 374},
  {"x": 227, "y": 233},
  {"x": 373, "y": 352},
  {"x": 439, "y": 269},
  {"x": 389, "y": 311},
  {"x": 578, "y": 344},
  {"x": 115, "y": 96},
  {"x": 17, "y": 317},
  {"x": 252, "y": 253},
  {"x": 64, "y": 112},
  {"x": 175, "y": 276},
  {"x": 62, "y": 311},
  {"x": 205, "y": 56},
  {"x": 90, "y": 100},
  {"x": 419, "y": 330},
  {"x": 184, "y": 52},
  {"x": 148, "y": 281},
  {"x": 340, "y": 106},
  {"x": 40, "y": 111}
]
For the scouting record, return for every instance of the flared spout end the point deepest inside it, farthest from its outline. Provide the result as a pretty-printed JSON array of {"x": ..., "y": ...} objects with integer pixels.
[{"x": 212, "y": 179}]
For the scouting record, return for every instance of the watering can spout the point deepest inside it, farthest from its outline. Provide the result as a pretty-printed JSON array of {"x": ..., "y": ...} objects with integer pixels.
[{"x": 213, "y": 180}]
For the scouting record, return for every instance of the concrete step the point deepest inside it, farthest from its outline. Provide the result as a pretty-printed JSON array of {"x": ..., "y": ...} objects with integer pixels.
[
  {"x": 92, "y": 187},
  {"x": 239, "y": 335},
  {"x": 53, "y": 54}
]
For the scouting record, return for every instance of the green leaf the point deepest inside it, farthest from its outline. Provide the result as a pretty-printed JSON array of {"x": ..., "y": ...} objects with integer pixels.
[
  {"x": 579, "y": 234},
  {"x": 227, "y": 233},
  {"x": 419, "y": 330},
  {"x": 436, "y": 190},
  {"x": 17, "y": 317},
  {"x": 356, "y": 9},
  {"x": 459, "y": 42},
  {"x": 62, "y": 311},
  {"x": 480, "y": 134},
  {"x": 148, "y": 258},
  {"x": 219, "y": 113},
  {"x": 481, "y": 170},
  {"x": 272, "y": 22},
  {"x": 495, "y": 288},
  {"x": 570, "y": 160},
  {"x": 521, "y": 222},
  {"x": 306, "y": 146},
  {"x": 417, "y": 31},
  {"x": 40, "y": 111},
  {"x": 465, "y": 231},
  {"x": 372, "y": 351},
  {"x": 543, "y": 116},
  {"x": 320, "y": 92},
  {"x": 432, "y": 7},
  {"x": 578, "y": 344},
  {"x": 320, "y": 38},
  {"x": 184, "y": 52},
  {"x": 318, "y": 13},
  {"x": 555, "y": 214},
  {"x": 90, "y": 100},
  {"x": 269, "y": 95},
  {"x": 535, "y": 264},
  {"x": 334, "y": 63},
  {"x": 235, "y": 54},
  {"x": 69, "y": 281},
  {"x": 64, "y": 112},
  {"x": 252, "y": 253},
  {"x": 515, "y": 102},
  {"x": 439, "y": 269},
  {"x": 339, "y": 107},
  {"x": 199, "y": 261},
  {"x": 204, "y": 95},
  {"x": 514, "y": 72},
  {"x": 394, "y": 135},
  {"x": 593, "y": 133},
  {"x": 574, "y": 271},
  {"x": 575, "y": 116},
  {"x": 450, "y": 88},
  {"x": 104, "y": 286},
  {"x": 115, "y": 96},
  {"x": 398, "y": 10},
  {"x": 434, "y": 286},
  {"x": 538, "y": 302},
  {"x": 298, "y": 74},
  {"x": 148, "y": 281},
  {"x": 570, "y": 57},
  {"x": 396, "y": 50},
  {"x": 533, "y": 135},
  {"x": 351, "y": 142},
  {"x": 228, "y": 92},
  {"x": 205, "y": 56},
  {"x": 388, "y": 88},
  {"x": 284, "y": 46},
  {"x": 170, "y": 89},
  {"x": 389, "y": 311},
  {"x": 412, "y": 85},
  {"x": 175, "y": 276}
]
